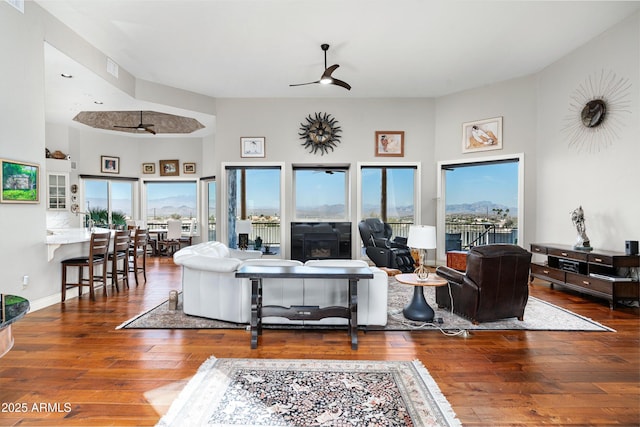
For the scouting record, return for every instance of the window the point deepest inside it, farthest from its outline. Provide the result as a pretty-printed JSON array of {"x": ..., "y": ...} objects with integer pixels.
[
  {"x": 211, "y": 209},
  {"x": 253, "y": 193},
  {"x": 109, "y": 201},
  {"x": 320, "y": 193},
  {"x": 170, "y": 199},
  {"x": 481, "y": 202},
  {"x": 389, "y": 193}
]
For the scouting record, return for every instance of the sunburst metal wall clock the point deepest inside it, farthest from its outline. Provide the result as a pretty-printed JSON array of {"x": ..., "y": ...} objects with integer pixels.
[
  {"x": 320, "y": 133},
  {"x": 596, "y": 108}
]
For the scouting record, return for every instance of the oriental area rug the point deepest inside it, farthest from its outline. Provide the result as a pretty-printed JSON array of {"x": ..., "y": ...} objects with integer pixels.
[
  {"x": 539, "y": 315},
  {"x": 264, "y": 392}
]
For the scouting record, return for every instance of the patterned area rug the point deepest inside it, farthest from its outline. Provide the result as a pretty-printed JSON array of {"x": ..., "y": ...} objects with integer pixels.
[
  {"x": 263, "y": 392},
  {"x": 538, "y": 315}
]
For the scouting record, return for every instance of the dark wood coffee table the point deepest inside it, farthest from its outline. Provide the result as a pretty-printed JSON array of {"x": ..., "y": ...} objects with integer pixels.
[{"x": 256, "y": 273}]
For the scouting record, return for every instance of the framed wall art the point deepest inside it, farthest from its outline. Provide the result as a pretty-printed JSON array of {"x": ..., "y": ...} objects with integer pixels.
[
  {"x": 389, "y": 143},
  {"x": 109, "y": 164},
  {"x": 252, "y": 146},
  {"x": 189, "y": 168},
  {"x": 20, "y": 182},
  {"x": 148, "y": 168},
  {"x": 169, "y": 167},
  {"x": 482, "y": 135}
]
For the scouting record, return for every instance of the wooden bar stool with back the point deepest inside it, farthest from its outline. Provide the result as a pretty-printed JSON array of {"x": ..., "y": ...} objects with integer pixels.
[
  {"x": 98, "y": 254},
  {"x": 120, "y": 256},
  {"x": 138, "y": 254}
]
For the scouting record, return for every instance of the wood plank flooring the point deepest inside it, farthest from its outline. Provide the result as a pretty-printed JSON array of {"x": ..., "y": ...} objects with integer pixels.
[{"x": 71, "y": 367}]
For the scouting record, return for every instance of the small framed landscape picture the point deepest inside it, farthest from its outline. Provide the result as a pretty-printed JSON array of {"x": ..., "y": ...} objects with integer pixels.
[
  {"x": 189, "y": 168},
  {"x": 169, "y": 167},
  {"x": 389, "y": 143},
  {"x": 148, "y": 168},
  {"x": 252, "y": 146},
  {"x": 20, "y": 182},
  {"x": 482, "y": 135},
  {"x": 109, "y": 164}
]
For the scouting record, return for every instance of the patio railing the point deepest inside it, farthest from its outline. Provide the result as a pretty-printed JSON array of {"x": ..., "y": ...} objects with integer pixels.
[{"x": 457, "y": 236}]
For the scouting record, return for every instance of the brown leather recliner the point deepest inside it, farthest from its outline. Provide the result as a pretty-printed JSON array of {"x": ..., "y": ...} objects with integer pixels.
[{"x": 494, "y": 287}]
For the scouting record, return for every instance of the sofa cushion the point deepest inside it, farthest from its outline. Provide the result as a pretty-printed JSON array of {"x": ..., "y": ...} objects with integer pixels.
[{"x": 209, "y": 256}]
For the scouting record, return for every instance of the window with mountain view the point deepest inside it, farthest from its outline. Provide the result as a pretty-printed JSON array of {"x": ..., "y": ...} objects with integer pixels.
[
  {"x": 388, "y": 193},
  {"x": 108, "y": 201},
  {"x": 170, "y": 199},
  {"x": 253, "y": 193},
  {"x": 481, "y": 203},
  {"x": 320, "y": 193}
]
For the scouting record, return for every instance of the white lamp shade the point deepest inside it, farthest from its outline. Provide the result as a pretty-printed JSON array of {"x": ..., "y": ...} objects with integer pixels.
[
  {"x": 422, "y": 237},
  {"x": 243, "y": 226}
]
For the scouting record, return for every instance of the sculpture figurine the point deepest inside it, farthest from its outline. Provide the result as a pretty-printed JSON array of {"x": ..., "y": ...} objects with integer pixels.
[{"x": 582, "y": 242}]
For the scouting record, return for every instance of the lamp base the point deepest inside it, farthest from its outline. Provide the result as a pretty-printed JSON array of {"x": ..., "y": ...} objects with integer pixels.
[{"x": 422, "y": 273}]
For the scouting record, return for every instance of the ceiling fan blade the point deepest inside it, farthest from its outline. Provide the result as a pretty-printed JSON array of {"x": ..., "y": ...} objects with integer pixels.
[
  {"x": 125, "y": 127},
  {"x": 148, "y": 129},
  {"x": 328, "y": 71},
  {"x": 303, "y": 84},
  {"x": 337, "y": 82}
]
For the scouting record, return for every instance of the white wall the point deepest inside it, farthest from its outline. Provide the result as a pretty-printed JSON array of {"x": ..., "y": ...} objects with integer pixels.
[
  {"x": 605, "y": 180},
  {"x": 22, "y": 137}
]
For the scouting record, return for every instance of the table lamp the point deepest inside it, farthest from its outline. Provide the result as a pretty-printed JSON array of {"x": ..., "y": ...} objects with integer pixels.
[
  {"x": 422, "y": 237},
  {"x": 243, "y": 228}
]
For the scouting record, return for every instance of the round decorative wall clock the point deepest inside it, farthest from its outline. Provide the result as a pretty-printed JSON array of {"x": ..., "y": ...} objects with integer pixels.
[
  {"x": 596, "y": 107},
  {"x": 320, "y": 133}
]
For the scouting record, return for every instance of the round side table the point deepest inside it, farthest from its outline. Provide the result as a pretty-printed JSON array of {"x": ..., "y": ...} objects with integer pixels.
[{"x": 418, "y": 309}]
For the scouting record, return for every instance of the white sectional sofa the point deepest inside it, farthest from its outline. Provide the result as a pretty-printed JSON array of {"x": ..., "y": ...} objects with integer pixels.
[{"x": 210, "y": 288}]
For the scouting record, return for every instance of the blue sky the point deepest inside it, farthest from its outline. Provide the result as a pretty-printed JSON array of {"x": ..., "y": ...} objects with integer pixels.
[{"x": 497, "y": 183}]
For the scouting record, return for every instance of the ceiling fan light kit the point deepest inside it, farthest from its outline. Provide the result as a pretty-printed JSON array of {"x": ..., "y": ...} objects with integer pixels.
[{"x": 326, "y": 77}]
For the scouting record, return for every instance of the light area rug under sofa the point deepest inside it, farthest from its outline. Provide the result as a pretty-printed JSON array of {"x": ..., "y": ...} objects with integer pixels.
[
  {"x": 267, "y": 392},
  {"x": 539, "y": 315}
]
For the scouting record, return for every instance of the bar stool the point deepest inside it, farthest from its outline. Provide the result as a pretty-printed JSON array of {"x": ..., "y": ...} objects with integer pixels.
[
  {"x": 120, "y": 256},
  {"x": 98, "y": 249},
  {"x": 138, "y": 254}
]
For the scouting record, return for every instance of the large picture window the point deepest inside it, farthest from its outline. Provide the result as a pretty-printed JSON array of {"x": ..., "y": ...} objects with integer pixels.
[
  {"x": 109, "y": 201},
  {"x": 170, "y": 200},
  {"x": 481, "y": 202},
  {"x": 321, "y": 193},
  {"x": 389, "y": 193},
  {"x": 253, "y": 196}
]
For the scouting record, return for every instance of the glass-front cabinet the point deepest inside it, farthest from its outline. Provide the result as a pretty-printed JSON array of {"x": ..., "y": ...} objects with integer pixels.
[{"x": 57, "y": 191}]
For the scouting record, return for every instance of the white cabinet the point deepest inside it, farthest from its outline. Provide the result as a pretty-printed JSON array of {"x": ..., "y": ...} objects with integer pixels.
[{"x": 57, "y": 190}]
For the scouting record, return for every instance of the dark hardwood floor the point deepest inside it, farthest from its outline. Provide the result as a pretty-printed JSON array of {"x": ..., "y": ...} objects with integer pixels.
[{"x": 70, "y": 366}]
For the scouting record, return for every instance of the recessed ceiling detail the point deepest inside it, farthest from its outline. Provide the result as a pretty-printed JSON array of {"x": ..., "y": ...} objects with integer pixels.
[{"x": 163, "y": 122}]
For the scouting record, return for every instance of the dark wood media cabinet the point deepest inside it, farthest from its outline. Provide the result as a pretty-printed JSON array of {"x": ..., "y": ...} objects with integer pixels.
[{"x": 594, "y": 272}]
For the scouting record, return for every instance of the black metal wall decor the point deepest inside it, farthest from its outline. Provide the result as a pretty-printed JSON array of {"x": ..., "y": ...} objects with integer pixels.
[
  {"x": 596, "y": 111},
  {"x": 320, "y": 133}
]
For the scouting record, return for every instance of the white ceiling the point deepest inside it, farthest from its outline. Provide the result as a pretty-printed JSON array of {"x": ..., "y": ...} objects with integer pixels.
[{"x": 385, "y": 48}]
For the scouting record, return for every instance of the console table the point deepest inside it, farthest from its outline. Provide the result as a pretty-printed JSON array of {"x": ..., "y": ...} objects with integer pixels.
[
  {"x": 594, "y": 272},
  {"x": 256, "y": 273}
]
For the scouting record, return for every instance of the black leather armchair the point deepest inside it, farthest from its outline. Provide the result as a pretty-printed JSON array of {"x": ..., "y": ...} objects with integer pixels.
[
  {"x": 381, "y": 249},
  {"x": 495, "y": 285}
]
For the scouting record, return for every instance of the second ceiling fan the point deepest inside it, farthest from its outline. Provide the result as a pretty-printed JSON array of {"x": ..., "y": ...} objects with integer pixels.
[
  {"x": 147, "y": 127},
  {"x": 326, "y": 77}
]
